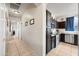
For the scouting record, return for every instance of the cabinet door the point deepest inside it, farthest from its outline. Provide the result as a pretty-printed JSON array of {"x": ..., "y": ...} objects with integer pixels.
[
  {"x": 62, "y": 37},
  {"x": 67, "y": 37},
  {"x": 61, "y": 24},
  {"x": 57, "y": 40},
  {"x": 76, "y": 39},
  {"x": 71, "y": 39}
]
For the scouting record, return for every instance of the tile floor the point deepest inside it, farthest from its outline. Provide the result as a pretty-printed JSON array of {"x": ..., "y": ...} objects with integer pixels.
[
  {"x": 64, "y": 49},
  {"x": 17, "y": 47}
]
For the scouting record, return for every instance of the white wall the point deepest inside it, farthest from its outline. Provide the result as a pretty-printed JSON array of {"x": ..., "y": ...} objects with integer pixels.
[
  {"x": 2, "y": 29},
  {"x": 63, "y": 9},
  {"x": 33, "y": 34}
]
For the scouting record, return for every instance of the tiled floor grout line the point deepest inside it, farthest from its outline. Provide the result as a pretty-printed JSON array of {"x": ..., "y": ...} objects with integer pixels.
[{"x": 17, "y": 49}]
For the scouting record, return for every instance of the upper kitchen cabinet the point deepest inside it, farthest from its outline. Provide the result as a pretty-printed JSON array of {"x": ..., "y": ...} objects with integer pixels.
[
  {"x": 61, "y": 25},
  {"x": 71, "y": 24}
]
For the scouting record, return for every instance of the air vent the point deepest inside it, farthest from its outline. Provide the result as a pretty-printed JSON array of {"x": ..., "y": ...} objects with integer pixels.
[{"x": 15, "y": 5}]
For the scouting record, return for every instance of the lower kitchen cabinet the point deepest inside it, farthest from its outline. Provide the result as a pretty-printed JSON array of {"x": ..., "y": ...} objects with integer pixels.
[
  {"x": 76, "y": 39},
  {"x": 72, "y": 39},
  {"x": 57, "y": 40},
  {"x": 69, "y": 38},
  {"x": 53, "y": 39},
  {"x": 62, "y": 37}
]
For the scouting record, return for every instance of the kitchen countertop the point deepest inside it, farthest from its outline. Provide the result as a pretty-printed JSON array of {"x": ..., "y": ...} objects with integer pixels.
[{"x": 70, "y": 32}]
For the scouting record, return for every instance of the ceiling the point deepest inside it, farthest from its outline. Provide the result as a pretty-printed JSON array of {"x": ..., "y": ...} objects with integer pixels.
[
  {"x": 16, "y": 10},
  {"x": 63, "y": 9},
  {"x": 19, "y": 7}
]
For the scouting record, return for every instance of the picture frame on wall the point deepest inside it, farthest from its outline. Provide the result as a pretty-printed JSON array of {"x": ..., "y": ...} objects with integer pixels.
[
  {"x": 32, "y": 21},
  {"x": 26, "y": 23}
]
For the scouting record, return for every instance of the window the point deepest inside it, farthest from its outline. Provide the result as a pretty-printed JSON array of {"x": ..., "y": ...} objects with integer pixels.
[{"x": 71, "y": 24}]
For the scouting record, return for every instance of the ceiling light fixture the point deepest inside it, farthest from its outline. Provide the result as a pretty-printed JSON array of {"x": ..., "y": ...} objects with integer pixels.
[{"x": 17, "y": 12}]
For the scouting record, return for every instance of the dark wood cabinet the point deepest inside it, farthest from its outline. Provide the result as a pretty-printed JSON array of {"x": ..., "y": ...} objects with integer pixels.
[
  {"x": 62, "y": 37},
  {"x": 61, "y": 24},
  {"x": 75, "y": 39},
  {"x": 71, "y": 39},
  {"x": 53, "y": 39}
]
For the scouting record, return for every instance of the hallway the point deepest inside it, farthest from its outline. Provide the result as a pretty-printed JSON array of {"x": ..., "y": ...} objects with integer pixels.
[
  {"x": 22, "y": 22},
  {"x": 16, "y": 47},
  {"x": 64, "y": 49}
]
